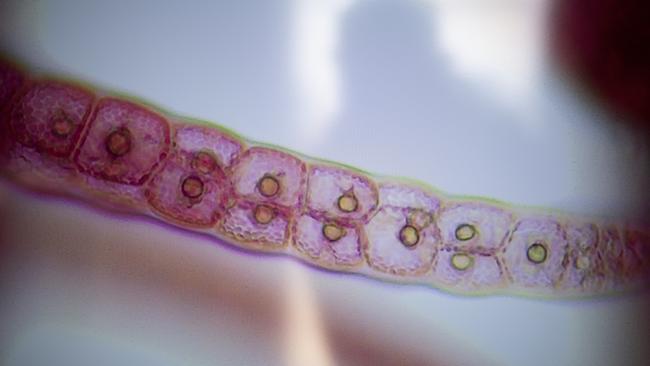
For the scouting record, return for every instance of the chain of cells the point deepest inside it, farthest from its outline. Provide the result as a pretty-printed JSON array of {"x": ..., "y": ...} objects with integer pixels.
[{"x": 66, "y": 139}]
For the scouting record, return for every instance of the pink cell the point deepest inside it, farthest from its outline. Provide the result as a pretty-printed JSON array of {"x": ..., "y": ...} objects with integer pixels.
[
  {"x": 474, "y": 225},
  {"x": 191, "y": 187},
  {"x": 11, "y": 79},
  {"x": 637, "y": 240},
  {"x": 50, "y": 117},
  {"x": 185, "y": 194},
  {"x": 45, "y": 122},
  {"x": 337, "y": 193},
  {"x": 401, "y": 241},
  {"x": 462, "y": 271},
  {"x": 327, "y": 243},
  {"x": 259, "y": 225},
  {"x": 198, "y": 138},
  {"x": 584, "y": 270},
  {"x": 265, "y": 175},
  {"x": 124, "y": 142},
  {"x": 535, "y": 252},
  {"x": 621, "y": 261}
]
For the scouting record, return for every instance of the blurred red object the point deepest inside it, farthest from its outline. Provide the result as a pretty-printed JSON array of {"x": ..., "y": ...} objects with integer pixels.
[{"x": 605, "y": 45}]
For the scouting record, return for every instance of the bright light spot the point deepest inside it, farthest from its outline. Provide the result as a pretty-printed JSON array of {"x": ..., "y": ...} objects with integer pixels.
[
  {"x": 316, "y": 34},
  {"x": 496, "y": 43},
  {"x": 306, "y": 342}
]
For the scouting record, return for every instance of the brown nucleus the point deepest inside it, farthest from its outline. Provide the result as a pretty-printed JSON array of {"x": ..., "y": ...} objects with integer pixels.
[
  {"x": 582, "y": 262},
  {"x": 192, "y": 187},
  {"x": 333, "y": 232},
  {"x": 348, "y": 202},
  {"x": 465, "y": 232},
  {"x": 537, "y": 253},
  {"x": 118, "y": 142},
  {"x": 268, "y": 186},
  {"x": 461, "y": 261},
  {"x": 409, "y": 235},
  {"x": 62, "y": 126},
  {"x": 263, "y": 214}
]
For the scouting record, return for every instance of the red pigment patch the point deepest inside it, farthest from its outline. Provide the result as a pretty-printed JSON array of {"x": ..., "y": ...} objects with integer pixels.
[
  {"x": 638, "y": 240},
  {"x": 50, "y": 117},
  {"x": 10, "y": 81},
  {"x": 124, "y": 142},
  {"x": 621, "y": 259}
]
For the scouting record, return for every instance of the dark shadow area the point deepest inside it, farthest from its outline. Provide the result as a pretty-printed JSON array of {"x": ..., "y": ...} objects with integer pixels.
[{"x": 605, "y": 46}]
